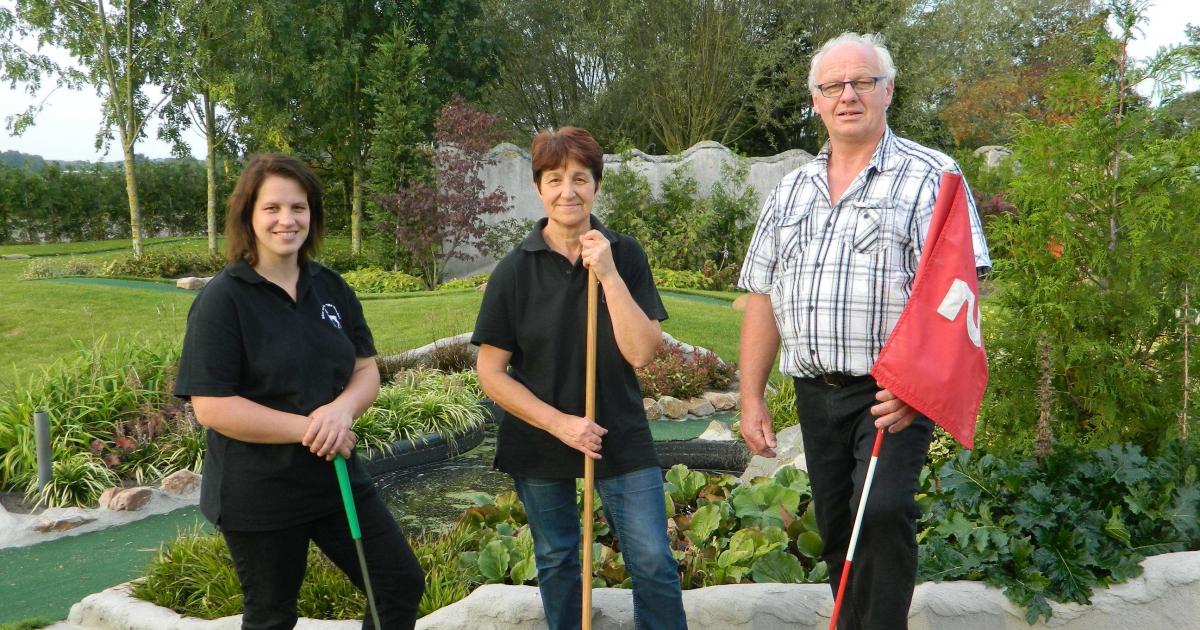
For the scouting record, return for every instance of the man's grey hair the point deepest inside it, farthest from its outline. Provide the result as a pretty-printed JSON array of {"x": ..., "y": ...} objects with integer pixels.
[{"x": 875, "y": 40}]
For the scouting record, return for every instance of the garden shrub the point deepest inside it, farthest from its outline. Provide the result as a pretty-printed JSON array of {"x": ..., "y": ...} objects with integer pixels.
[
  {"x": 164, "y": 263},
  {"x": 679, "y": 228},
  {"x": 781, "y": 402},
  {"x": 376, "y": 280},
  {"x": 50, "y": 267},
  {"x": 419, "y": 402},
  {"x": 671, "y": 279},
  {"x": 672, "y": 373},
  {"x": 110, "y": 409},
  {"x": 473, "y": 282}
]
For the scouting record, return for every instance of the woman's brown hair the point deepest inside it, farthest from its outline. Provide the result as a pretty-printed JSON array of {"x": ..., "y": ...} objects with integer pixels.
[
  {"x": 553, "y": 149},
  {"x": 239, "y": 233}
]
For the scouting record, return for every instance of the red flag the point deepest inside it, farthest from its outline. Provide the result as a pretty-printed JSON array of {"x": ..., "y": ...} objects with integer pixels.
[{"x": 934, "y": 359}]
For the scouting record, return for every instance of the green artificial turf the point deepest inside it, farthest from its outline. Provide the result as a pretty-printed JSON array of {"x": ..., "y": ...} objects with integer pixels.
[
  {"x": 45, "y": 579},
  {"x": 670, "y": 431}
]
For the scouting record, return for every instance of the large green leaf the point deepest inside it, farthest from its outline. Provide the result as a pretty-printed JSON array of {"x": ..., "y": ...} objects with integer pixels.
[
  {"x": 778, "y": 566},
  {"x": 493, "y": 561}
]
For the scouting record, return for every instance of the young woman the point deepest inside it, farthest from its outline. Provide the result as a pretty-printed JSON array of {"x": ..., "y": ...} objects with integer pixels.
[
  {"x": 278, "y": 362},
  {"x": 530, "y": 332}
]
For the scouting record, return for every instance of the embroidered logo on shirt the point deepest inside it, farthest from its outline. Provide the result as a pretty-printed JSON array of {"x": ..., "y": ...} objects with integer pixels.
[{"x": 330, "y": 312}]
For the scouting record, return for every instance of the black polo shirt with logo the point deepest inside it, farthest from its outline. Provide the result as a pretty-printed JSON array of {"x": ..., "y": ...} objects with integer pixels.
[
  {"x": 247, "y": 337},
  {"x": 535, "y": 307}
]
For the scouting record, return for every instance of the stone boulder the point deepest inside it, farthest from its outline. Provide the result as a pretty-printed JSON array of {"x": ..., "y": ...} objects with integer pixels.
[
  {"x": 672, "y": 407},
  {"x": 700, "y": 407},
  {"x": 60, "y": 520},
  {"x": 126, "y": 499},
  {"x": 789, "y": 451},
  {"x": 721, "y": 401},
  {"x": 180, "y": 482},
  {"x": 15, "y": 257},
  {"x": 653, "y": 411},
  {"x": 993, "y": 155},
  {"x": 717, "y": 432},
  {"x": 192, "y": 283}
]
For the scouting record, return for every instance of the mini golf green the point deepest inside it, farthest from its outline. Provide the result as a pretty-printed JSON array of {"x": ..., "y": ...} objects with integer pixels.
[
  {"x": 45, "y": 579},
  {"x": 145, "y": 285},
  {"x": 671, "y": 431}
]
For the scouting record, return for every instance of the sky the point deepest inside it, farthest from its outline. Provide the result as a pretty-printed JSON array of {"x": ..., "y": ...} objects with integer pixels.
[{"x": 67, "y": 125}]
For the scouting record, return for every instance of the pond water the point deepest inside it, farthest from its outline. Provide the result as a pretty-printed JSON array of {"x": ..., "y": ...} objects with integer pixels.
[{"x": 431, "y": 496}]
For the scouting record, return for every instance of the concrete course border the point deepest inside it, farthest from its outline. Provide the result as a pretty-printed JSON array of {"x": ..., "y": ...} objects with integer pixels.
[{"x": 1165, "y": 597}]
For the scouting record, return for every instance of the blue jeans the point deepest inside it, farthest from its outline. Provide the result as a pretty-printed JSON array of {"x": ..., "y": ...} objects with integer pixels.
[{"x": 635, "y": 507}]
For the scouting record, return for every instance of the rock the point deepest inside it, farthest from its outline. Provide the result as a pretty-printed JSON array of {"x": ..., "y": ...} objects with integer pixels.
[
  {"x": 789, "y": 451},
  {"x": 673, "y": 407},
  {"x": 993, "y": 155},
  {"x": 192, "y": 283},
  {"x": 16, "y": 257},
  {"x": 653, "y": 411},
  {"x": 106, "y": 497},
  {"x": 130, "y": 499},
  {"x": 700, "y": 407},
  {"x": 61, "y": 519},
  {"x": 717, "y": 432},
  {"x": 721, "y": 401},
  {"x": 180, "y": 482},
  {"x": 737, "y": 399},
  {"x": 739, "y": 304}
]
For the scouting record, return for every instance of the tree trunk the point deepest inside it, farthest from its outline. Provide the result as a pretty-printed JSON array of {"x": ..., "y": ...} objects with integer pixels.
[
  {"x": 135, "y": 212},
  {"x": 1187, "y": 329},
  {"x": 210, "y": 170},
  {"x": 1045, "y": 436},
  {"x": 356, "y": 202}
]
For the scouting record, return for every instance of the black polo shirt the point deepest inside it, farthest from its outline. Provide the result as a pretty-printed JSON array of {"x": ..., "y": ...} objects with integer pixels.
[
  {"x": 246, "y": 337},
  {"x": 535, "y": 306}
]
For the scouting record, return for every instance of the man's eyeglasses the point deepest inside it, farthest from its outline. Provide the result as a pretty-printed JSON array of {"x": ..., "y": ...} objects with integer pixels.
[{"x": 834, "y": 89}]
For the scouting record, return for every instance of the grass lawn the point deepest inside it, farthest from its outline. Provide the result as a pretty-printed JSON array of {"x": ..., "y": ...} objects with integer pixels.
[{"x": 41, "y": 320}]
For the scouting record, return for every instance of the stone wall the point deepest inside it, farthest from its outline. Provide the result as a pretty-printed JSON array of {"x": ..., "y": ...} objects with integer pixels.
[{"x": 513, "y": 173}]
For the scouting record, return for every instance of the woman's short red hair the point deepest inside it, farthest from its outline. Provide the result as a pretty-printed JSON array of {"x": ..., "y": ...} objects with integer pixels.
[{"x": 553, "y": 149}]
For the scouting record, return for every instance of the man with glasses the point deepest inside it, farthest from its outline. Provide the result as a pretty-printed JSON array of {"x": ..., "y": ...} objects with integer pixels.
[{"x": 829, "y": 270}]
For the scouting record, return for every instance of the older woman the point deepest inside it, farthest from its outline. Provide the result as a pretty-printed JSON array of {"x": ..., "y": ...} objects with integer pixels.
[
  {"x": 530, "y": 334},
  {"x": 278, "y": 361}
]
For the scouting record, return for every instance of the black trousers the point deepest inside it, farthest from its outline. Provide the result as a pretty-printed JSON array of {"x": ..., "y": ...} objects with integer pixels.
[
  {"x": 270, "y": 566},
  {"x": 839, "y": 433}
]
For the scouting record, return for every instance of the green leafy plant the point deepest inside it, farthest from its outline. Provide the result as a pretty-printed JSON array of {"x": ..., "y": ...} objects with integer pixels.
[
  {"x": 75, "y": 479},
  {"x": 679, "y": 228},
  {"x": 671, "y": 279},
  {"x": 422, "y": 402},
  {"x": 376, "y": 280},
  {"x": 1057, "y": 530},
  {"x": 781, "y": 402},
  {"x": 472, "y": 282},
  {"x": 109, "y": 403},
  {"x": 164, "y": 263}
]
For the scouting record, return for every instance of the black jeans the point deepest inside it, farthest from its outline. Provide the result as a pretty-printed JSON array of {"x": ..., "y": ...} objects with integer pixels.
[
  {"x": 839, "y": 433},
  {"x": 270, "y": 566}
]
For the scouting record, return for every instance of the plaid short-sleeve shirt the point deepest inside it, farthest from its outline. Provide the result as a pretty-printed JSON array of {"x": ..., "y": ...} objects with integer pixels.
[{"x": 839, "y": 276}]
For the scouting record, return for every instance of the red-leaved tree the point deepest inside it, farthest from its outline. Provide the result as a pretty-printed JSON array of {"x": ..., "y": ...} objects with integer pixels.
[{"x": 436, "y": 222}]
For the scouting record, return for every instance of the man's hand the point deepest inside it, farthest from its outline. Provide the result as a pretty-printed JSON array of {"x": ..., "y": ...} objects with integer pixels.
[
  {"x": 329, "y": 432},
  {"x": 892, "y": 413},
  {"x": 580, "y": 433},
  {"x": 756, "y": 426}
]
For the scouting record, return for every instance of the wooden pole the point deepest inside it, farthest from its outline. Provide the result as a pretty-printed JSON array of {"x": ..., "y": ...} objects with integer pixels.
[{"x": 589, "y": 468}]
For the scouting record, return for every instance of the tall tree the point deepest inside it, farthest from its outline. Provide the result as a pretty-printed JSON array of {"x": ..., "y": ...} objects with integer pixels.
[
  {"x": 118, "y": 47},
  {"x": 199, "y": 80},
  {"x": 1100, "y": 252}
]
